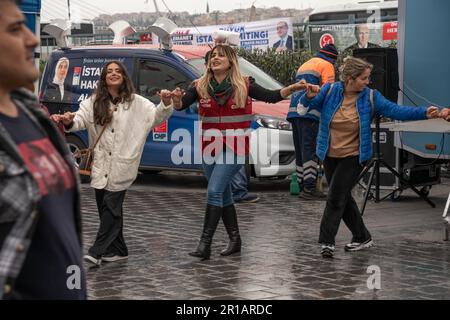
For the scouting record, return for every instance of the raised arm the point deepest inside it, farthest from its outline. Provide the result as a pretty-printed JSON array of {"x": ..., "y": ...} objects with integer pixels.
[
  {"x": 76, "y": 121},
  {"x": 392, "y": 110},
  {"x": 162, "y": 111},
  {"x": 182, "y": 100},
  {"x": 315, "y": 96},
  {"x": 272, "y": 96}
]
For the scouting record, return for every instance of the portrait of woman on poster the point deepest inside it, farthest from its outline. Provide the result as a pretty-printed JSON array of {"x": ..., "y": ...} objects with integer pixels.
[{"x": 58, "y": 92}]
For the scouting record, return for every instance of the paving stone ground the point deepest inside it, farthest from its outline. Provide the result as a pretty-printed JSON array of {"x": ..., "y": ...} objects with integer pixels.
[{"x": 280, "y": 255}]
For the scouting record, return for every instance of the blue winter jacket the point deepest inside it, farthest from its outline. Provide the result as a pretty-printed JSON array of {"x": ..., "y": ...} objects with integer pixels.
[{"x": 327, "y": 103}]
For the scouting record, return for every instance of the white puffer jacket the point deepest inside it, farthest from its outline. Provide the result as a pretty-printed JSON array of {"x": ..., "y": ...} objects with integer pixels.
[{"x": 118, "y": 153}]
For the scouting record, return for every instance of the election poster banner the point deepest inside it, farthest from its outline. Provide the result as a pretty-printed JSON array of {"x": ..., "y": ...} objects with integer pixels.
[
  {"x": 351, "y": 36},
  {"x": 87, "y": 74},
  {"x": 75, "y": 82},
  {"x": 272, "y": 33}
]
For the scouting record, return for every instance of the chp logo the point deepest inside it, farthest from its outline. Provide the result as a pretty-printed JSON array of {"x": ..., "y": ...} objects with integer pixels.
[
  {"x": 160, "y": 133},
  {"x": 325, "y": 39},
  {"x": 76, "y": 76}
]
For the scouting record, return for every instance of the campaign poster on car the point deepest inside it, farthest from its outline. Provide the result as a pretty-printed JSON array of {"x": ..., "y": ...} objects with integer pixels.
[
  {"x": 86, "y": 75},
  {"x": 73, "y": 80},
  {"x": 352, "y": 36},
  {"x": 272, "y": 33}
]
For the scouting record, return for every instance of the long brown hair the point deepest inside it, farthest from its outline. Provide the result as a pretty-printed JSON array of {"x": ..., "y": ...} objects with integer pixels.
[
  {"x": 102, "y": 102},
  {"x": 236, "y": 78}
]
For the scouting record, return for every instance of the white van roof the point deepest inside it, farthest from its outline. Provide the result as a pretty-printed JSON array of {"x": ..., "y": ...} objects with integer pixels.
[{"x": 360, "y": 6}]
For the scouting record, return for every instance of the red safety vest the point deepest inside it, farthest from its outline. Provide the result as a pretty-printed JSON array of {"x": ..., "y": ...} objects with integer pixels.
[{"x": 228, "y": 122}]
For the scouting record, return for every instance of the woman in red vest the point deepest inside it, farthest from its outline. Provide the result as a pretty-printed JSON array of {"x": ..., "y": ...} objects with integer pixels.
[{"x": 225, "y": 109}]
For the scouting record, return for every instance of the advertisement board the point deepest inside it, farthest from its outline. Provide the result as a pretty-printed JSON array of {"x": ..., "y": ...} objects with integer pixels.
[
  {"x": 349, "y": 36},
  {"x": 73, "y": 81},
  {"x": 272, "y": 33},
  {"x": 32, "y": 10}
]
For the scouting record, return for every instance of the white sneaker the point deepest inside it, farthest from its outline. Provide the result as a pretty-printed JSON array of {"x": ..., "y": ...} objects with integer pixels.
[
  {"x": 356, "y": 246},
  {"x": 113, "y": 257},
  {"x": 92, "y": 260}
]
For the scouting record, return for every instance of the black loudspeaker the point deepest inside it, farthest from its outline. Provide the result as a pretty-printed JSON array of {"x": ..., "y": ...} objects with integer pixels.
[{"x": 384, "y": 76}]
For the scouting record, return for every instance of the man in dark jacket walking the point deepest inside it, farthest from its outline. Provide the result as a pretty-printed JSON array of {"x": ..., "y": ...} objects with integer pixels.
[{"x": 40, "y": 227}]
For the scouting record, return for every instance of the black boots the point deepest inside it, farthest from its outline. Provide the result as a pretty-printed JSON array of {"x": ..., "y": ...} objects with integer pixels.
[
  {"x": 212, "y": 218},
  {"x": 230, "y": 221}
]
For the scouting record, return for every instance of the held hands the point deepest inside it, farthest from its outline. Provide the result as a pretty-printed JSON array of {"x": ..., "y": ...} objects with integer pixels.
[
  {"x": 433, "y": 112},
  {"x": 56, "y": 117},
  {"x": 168, "y": 97},
  {"x": 445, "y": 114},
  {"x": 65, "y": 118},
  {"x": 177, "y": 95},
  {"x": 312, "y": 90},
  {"x": 301, "y": 85}
]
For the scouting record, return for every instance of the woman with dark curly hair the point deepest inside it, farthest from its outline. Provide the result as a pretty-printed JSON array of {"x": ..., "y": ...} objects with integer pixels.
[{"x": 120, "y": 120}]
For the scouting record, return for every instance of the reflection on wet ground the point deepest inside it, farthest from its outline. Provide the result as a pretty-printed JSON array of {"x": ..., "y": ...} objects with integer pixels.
[{"x": 280, "y": 257}]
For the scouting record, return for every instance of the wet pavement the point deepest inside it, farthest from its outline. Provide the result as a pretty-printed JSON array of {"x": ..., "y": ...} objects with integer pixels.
[{"x": 280, "y": 257}]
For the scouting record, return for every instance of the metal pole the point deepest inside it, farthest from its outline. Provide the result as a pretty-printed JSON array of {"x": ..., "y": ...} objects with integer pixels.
[
  {"x": 377, "y": 158},
  {"x": 68, "y": 8}
]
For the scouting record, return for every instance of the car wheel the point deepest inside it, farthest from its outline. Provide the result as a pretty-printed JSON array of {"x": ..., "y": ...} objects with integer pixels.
[{"x": 76, "y": 144}]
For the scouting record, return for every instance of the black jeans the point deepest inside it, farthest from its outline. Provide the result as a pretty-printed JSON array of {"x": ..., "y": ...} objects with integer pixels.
[
  {"x": 342, "y": 175},
  {"x": 110, "y": 233}
]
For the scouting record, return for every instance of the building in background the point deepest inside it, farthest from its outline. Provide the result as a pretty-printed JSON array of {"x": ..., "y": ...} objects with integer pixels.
[{"x": 32, "y": 11}]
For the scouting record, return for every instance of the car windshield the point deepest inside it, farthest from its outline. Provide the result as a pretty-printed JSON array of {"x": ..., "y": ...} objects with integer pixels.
[{"x": 247, "y": 69}]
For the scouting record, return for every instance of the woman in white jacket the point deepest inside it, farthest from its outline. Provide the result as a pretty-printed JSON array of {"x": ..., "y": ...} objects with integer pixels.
[{"x": 127, "y": 118}]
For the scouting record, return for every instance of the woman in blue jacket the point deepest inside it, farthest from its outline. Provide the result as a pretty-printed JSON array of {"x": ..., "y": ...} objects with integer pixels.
[{"x": 344, "y": 144}]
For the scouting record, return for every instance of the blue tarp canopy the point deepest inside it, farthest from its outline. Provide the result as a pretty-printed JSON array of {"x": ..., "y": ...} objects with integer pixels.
[
  {"x": 31, "y": 9},
  {"x": 31, "y": 6}
]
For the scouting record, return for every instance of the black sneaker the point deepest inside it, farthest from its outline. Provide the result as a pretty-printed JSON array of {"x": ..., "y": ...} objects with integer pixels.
[
  {"x": 249, "y": 199},
  {"x": 111, "y": 257},
  {"x": 312, "y": 194},
  {"x": 327, "y": 251},
  {"x": 356, "y": 246}
]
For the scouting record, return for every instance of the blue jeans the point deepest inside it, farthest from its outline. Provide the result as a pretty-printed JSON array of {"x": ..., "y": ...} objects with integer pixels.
[
  {"x": 219, "y": 175},
  {"x": 239, "y": 185}
]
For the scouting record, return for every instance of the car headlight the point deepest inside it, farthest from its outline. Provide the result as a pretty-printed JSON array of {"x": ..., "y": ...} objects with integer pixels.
[{"x": 273, "y": 123}]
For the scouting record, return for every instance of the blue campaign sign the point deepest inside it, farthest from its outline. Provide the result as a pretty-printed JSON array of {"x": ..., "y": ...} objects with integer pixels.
[
  {"x": 31, "y": 9},
  {"x": 73, "y": 78},
  {"x": 86, "y": 75}
]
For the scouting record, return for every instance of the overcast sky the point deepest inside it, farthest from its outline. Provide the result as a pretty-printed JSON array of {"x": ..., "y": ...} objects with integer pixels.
[{"x": 52, "y": 9}]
